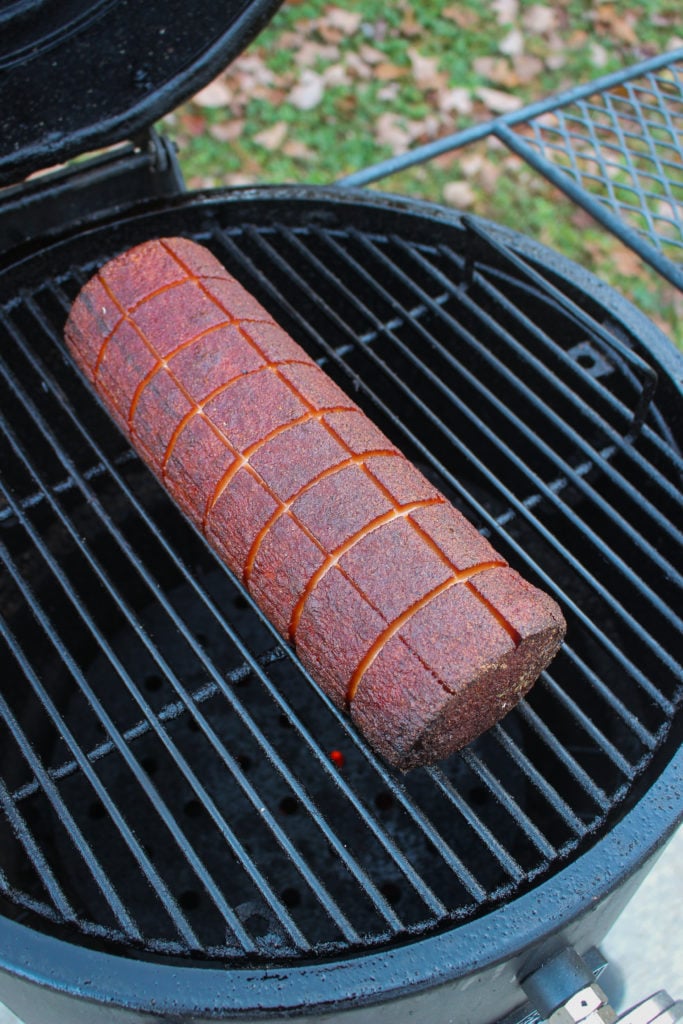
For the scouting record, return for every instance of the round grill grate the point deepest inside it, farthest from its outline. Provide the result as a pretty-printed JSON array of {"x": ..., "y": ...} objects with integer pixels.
[{"x": 169, "y": 779}]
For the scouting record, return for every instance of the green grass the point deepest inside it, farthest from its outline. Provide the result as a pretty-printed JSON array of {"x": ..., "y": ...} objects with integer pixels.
[{"x": 342, "y": 130}]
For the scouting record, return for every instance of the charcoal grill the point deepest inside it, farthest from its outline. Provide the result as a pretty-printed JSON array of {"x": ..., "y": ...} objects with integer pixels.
[{"x": 190, "y": 829}]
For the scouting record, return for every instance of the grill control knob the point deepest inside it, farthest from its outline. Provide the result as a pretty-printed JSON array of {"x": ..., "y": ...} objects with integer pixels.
[
  {"x": 563, "y": 990},
  {"x": 588, "y": 1006}
]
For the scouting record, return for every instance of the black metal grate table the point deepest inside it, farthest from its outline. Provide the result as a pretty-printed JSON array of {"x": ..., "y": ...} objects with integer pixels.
[{"x": 613, "y": 145}]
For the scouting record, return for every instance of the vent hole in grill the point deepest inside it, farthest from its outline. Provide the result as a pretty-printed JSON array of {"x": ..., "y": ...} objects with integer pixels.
[
  {"x": 384, "y": 801},
  {"x": 189, "y": 900},
  {"x": 193, "y": 809},
  {"x": 291, "y": 898},
  {"x": 391, "y": 892},
  {"x": 149, "y": 764}
]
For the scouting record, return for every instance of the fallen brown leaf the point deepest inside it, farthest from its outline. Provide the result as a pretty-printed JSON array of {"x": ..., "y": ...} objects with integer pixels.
[
  {"x": 389, "y": 92},
  {"x": 371, "y": 55},
  {"x": 464, "y": 17},
  {"x": 426, "y": 71},
  {"x": 620, "y": 25},
  {"x": 488, "y": 176},
  {"x": 308, "y": 92},
  {"x": 336, "y": 74},
  {"x": 513, "y": 43},
  {"x": 215, "y": 94},
  {"x": 263, "y": 92},
  {"x": 493, "y": 68},
  {"x": 357, "y": 66},
  {"x": 390, "y": 130},
  {"x": 298, "y": 150},
  {"x": 193, "y": 124},
  {"x": 198, "y": 182},
  {"x": 599, "y": 55},
  {"x": 273, "y": 137},
  {"x": 309, "y": 52},
  {"x": 410, "y": 28},
  {"x": 471, "y": 164},
  {"x": 330, "y": 34},
  {"x": 459, "y": 193},
  {"x": 458, "y": 100},
  {"x": 539, "y": 19},
  {"x": 506, "y": 11},
  {"x": 240, "y": 178},
  {"x": 499, "y": 102},
  {"x": 227, "y": 131},
  {"x": 291, "y": 40},
  {"x": 387, "y": 72},
  {"x": 348, "y": 22},
  {"x": 527, "y": 68}
]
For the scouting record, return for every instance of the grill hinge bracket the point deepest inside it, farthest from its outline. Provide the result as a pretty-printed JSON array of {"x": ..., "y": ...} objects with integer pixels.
[{"x": 45, "y": 207}]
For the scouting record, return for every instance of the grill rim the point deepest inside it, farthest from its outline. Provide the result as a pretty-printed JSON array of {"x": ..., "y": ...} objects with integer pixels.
[{"x": 426, "y": 961}]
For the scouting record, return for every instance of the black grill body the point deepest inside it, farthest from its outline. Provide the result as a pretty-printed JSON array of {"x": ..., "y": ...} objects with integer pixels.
[{"x": 178, "y": 842}]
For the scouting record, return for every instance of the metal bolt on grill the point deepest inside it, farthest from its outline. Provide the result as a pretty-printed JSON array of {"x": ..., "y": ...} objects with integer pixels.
[{"x": 172, "y": 780}]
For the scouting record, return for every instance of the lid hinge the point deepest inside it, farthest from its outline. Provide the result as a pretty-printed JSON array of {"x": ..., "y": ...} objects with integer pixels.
[{"x": 51, "y": 204}]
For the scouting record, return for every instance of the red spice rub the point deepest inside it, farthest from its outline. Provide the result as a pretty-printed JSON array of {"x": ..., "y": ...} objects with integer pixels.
[{"x": 402, "y": 612}]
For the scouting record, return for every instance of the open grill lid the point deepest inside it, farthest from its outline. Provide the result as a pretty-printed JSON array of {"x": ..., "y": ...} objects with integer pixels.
[{"x": 77, "y": 75}]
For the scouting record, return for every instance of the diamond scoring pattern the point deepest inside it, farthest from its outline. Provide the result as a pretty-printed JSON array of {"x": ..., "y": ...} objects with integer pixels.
[{"x": 313, "y": 410}]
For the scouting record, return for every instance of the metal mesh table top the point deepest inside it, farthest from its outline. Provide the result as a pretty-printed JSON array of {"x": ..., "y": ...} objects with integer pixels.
[{"x": 613, "y": 145}]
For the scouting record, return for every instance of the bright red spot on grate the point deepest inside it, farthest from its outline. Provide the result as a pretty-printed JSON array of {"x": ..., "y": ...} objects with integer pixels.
[{"x": 337, "y": 758}]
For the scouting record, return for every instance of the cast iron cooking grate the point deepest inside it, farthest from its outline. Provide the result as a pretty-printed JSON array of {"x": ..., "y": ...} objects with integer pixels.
[{"x": 169, "y": 778}]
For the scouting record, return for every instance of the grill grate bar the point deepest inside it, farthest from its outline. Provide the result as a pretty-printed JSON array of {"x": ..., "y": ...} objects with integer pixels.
[
  {"x": 351, "y": 734},
  {"x": 483, "y": 242},
  {"x": 381, "y": 904},
  {"x": 593, "y": 453},
  {"x": 569, "y": 472},
  {"x": 496, "y": 484},
  {"x": 579, "y": 775},
  {"x": 626, "y": 447},
  {"x": 500, "y": 793},
  {"x": 125, "y": 922},
  {"x": 586, "y": 722},
  {"x": 379, "y": 901},
  {"x": 537, "y": 779},
  {"x": 64, "y": 910},
  {"x": 503, "y": 856},
  {"x": 482, "y": 512},
  {"x": 27, "y": 902},
  {"x": 598, "y": 684},
  {"x": 168, "y": 713},
  {"x": 179, "y": 921},
  {"x": 67, "y": 484},
  {"x": 208, "y": 804}
]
